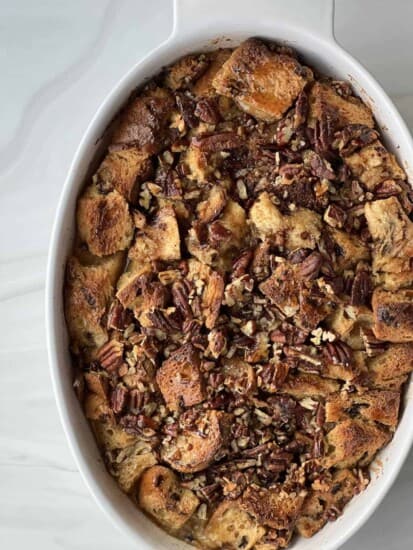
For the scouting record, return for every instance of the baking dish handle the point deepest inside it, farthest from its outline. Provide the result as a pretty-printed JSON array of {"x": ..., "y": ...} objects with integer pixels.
[{"x": 315, "y": 16}]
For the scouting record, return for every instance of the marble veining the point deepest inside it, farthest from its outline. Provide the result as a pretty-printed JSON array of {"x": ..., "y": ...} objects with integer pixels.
[{"x": 58, "y": 61}]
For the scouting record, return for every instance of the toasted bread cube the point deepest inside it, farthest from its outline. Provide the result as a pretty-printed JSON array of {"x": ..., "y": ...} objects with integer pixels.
[
  {"x": 263, "y": 83},
  {"x": 203, "y": 86},
  {"x": 180, "y": 379},
  {"x": 239, "y": 376},
  {"x": 97, "y": 382},
  {"x": 89, "y": 291},
  {"x": 104, "y": 222},
  {"x": 182, "y": 74},
  {"x": 111, "y": 437},
  {"x": 301, "y": 229},
  {"x": 144, "y": 122},
  {"x": 390, "y": 369},
  {"x": 392, "y": 232},
  {"x": 393, "y": 315},
  {"x": 349, "y": 249},
  {"x": 209, "y": 209},
  {"x": 373, "y": 164},
  {"x": 275, "y": 508},
  {"x": 354, "y": 442},
  {"x": 130, "y": 282},
  {"x": 130, "y": 470},
  {"x": 158, "y": 241},
  {"x": 305, "y": 385},
  {"x": 233, "y": 219},
  {"x": 233, "y": 527},
  {"x": 161, "y": 496},
  {"x": 97, "y": 406},
  {"x": 324, "y": 100},
  {"x": 320, "y": 503},
  {"x": 201, "y": 165},
  {"x": 124, "y": 170},
  {"x": 394, "y": 281},
  {"x": 195, "y": 449},
  {"x": 376, "y": 405}
]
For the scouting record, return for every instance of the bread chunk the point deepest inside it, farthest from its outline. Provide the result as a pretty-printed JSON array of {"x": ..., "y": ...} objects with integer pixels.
[
  {"x": 196, "y": 448},
  {"x": 320, "y": 504},
  {"x": 130, "y": 283},
  {"x": 130, "y": 470},
  {"x": 110, "y": 436},
  {"x": 376, "y": 405},
  {"x": 144, "y": 122},
  {"x": 159, "y": 240},
  {"x": 182, "y": 74},
  {"x": 325, "y": 101},
  {"x": 389, "y": 370},
  {"x": 300, "y": 229},
  {"x": 309, "y": 385},
  {"x": 263, "y": 83},
  {"x": 104, "y": 222},
  {"x": 354, "y": 442},
  {"x": 124, "y": 171},
  {"x": 233, "y": 527},
  {"x": 275, "y": 508},
  {"x": 209, "y": 209},
  {"x": 97, "y": 407},
  {"x": 349, "y": 249},
  {"x": 373, "y": 164},
  {"x": 203, "y": 86},
  {"x": 392, "y": 232},
  {"x": 88, "y": 292},
  {"x": 162, "y": 497},
  {"x": 180, "y": 380},
  {"x": 393, "y": 315}
]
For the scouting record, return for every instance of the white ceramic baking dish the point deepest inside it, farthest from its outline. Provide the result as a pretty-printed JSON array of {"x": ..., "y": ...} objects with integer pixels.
[{"x": 200, "y": 25}]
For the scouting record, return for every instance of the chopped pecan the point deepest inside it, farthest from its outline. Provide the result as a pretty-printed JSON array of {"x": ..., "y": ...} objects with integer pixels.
[
  {"x": 118, "y": 398},
  {"x": 215, "y": 143},
  {"x": 335, "y": 216},
  {"x": 110, "y": 355},
  {"x": 310, "y": 267},
  {"x": 207, "y": 110},
  {"x": 339, "y": 352},
  {"x": 361, "y": 289}
]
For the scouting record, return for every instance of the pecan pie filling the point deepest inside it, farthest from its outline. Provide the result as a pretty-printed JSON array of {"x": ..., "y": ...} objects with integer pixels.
[{"x": 239, "y": 297}]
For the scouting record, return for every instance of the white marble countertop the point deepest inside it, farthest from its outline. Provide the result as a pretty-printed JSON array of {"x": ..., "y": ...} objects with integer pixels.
[{"x": 58, "y": 60}]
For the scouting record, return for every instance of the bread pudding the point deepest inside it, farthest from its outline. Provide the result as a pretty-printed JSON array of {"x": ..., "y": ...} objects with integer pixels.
[{"x": 239, "y": 297}]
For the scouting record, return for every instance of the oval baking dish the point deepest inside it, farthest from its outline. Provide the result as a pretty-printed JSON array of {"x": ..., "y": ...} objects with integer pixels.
[{"x": 201, "y": 26}]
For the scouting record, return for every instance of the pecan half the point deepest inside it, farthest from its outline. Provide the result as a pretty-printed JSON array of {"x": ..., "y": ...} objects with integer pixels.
[{"x": 110, "y": 355}]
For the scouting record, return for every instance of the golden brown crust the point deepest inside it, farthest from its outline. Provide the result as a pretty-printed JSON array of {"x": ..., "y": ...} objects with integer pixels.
[
  {"x": 390, "y": 368},
  {"x": 180, "y": 380},
  {"x": 323, "y": 504},
  {"x": 324, "y": 101},
  {"x": 88, "y": 292},
  {"x": 376, "y": 405},
  {"x": 354, "y": 442},
  {"x": 392, "y": 233},
  {"x": 262, "y": 83},
  {"x": 159, "y": 240},
  {"x": 161, "y": 496},
  {"x": 373, "y": 164},
  {"x": 275, "y": 508},
  {"x": 233, "y": 526},
  {"x": 185, "y": 71},
  {"x": 203, "y": 86},
  {"x": 393, "y": 315},
  {"x": 104, "y": 222},
  {"x": 124, "y": 171},
  {"x": 194, "y": 449},
  {"x": 308, "y": 385},
  {"x": 144, "y": 122}
]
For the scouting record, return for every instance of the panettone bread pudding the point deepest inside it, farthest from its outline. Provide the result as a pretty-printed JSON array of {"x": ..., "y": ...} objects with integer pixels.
[{"x": 240, "y": 297}]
